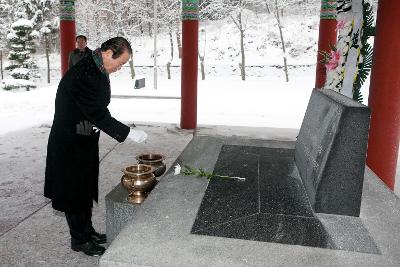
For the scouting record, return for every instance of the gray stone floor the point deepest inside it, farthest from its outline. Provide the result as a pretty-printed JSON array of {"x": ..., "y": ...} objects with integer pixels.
[{"x": 31, "y": 233}]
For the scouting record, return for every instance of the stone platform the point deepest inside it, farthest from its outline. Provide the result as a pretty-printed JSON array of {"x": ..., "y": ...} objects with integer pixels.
[{"x": 163, "y": 230}]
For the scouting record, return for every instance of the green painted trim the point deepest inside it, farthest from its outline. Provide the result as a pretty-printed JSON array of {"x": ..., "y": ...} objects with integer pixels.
[
  {"x": 328, "y": 9},
  {"x": 190, "y": 9},
  {"x": 67, "y": 10}
]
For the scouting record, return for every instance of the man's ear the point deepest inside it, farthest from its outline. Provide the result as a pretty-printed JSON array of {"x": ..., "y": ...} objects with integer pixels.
[{"x": 109, "y": 53}]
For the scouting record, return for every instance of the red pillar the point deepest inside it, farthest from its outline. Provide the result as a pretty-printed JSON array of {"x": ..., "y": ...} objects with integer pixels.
[
  {"x": 190, "y": 29},
  {"x": 326, "y": 38},
  {"x": 67, "y": 32},
  {"x": 384, "y": 94}
]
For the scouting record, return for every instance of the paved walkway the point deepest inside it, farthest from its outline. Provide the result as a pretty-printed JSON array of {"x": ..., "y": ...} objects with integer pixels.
[{"x": 31, "y": 232}]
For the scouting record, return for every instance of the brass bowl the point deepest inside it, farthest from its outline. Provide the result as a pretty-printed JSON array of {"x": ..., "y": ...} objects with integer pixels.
[
  {"x": 138, "y": 170},
  {"x": 138, "y": 179},
  {"x": 143, "y": 185},
  {"x": 154, "y": 160}
]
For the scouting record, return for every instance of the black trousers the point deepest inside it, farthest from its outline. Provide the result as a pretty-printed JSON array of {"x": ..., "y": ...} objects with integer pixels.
[{"x": 80, "y": 226}]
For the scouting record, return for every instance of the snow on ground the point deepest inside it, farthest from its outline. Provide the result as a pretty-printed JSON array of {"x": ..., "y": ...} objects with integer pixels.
[
  {"x": 19, "y": 110},
  {"x": 264, "y": 102},
  {"x": 226, "y": 100}
]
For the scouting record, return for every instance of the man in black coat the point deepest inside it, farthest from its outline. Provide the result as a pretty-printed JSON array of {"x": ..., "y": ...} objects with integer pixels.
[
  {"x": 80, "y": 51},
  {"x": 72, "y": 163}
]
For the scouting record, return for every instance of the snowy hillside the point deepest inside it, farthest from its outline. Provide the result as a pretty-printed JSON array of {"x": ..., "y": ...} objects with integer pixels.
[{"x": 220, "y": 39}]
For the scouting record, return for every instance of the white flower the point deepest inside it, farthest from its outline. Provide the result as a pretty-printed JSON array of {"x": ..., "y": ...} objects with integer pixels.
[{"x": 177, "y": 169}]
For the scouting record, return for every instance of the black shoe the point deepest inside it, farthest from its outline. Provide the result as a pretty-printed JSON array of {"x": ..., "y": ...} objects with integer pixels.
[
  {"x": 89, "y": 248},
  {"x": 98, "y": 238}
]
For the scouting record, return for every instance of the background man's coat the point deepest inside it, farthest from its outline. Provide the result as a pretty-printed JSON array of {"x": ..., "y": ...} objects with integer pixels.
[{"x": 77, "y": 55}]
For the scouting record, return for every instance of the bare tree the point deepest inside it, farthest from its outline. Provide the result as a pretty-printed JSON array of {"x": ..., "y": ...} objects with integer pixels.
[
  {"x": 202, "y": 57},
  {"x": 267, "y": 6},
  {"x": 148, "y": 8},
  {"x": 240, "y": 26},
  {"x": 276, "y": 13},
  {"x": 45, "y": 33},
  {"x": 178, "y": 40},
  {"x": 169, "y": 15},
  {"x": 1, "y": 63},
  {"x": 237, "y": 17}
]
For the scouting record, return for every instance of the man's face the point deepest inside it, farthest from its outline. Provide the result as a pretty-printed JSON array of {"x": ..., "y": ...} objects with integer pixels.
[
  {"x": 81, "y": 43},
  {"x": 112, "y": 65}
]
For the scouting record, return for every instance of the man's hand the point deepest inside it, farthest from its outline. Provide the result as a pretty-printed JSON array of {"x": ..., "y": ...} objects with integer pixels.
[
  {"x": 137, "y": 136},
  {"x": 84, "y": 128}
]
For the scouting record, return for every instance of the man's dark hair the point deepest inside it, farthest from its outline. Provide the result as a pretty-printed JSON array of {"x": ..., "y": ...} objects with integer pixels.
[
  {"x": 81, "y": 36},
  {"x": 117, "y": 45}
]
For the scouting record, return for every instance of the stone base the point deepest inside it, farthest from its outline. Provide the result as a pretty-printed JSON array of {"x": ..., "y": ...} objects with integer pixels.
[{"x": 118, "y": 211}]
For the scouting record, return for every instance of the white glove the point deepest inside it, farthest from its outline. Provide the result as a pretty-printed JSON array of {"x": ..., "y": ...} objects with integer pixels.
[{"x": 137, "y": 136}]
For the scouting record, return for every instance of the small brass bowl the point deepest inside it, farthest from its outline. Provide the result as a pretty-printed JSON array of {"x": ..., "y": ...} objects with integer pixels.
[{"x": 154, "y": 160}]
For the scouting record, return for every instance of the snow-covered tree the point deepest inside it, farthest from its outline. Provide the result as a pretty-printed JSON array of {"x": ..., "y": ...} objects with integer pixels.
[
  {"x": 27, "y": 15},
  {"x": 21, "y": 66},
  {"x": 5, "y": 8}
]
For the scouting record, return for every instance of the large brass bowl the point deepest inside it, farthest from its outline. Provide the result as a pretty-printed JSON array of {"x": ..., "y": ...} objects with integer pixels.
[
  {"x": 154, "y": 160},
  {"x": 139, "y": 180}
]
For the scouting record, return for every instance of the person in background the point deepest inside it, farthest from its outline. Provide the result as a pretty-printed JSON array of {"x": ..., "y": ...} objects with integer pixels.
[
  {"x": 72, "y": 162},
  {"x": 80, "y": 51}
]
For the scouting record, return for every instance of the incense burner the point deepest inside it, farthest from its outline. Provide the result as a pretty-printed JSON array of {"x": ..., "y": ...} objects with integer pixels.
[{"x": 139, "y": 180}]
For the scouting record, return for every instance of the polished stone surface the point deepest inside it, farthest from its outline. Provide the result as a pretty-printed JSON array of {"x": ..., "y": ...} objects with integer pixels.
[
  {"x": 331, "y": 150},
  {"x": 271, "y": 205}
]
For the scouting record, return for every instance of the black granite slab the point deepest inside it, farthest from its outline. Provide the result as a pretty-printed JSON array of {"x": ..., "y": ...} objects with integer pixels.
[
  {"x": 270, "y": 206},
  {"x": 228, "y": 200},
  {"x": 285, "y": 229}
]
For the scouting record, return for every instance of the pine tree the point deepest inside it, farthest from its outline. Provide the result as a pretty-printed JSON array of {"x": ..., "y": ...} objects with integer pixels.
[
  {"x": 4, "y": 21},
  {"x": 21, "y": 43},
  {"x": 22, "y": 67},
  {"x": 5, "y": 8}
]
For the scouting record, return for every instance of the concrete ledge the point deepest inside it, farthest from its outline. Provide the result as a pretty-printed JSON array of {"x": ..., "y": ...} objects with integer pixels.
[{"x": 160, "y": 231}]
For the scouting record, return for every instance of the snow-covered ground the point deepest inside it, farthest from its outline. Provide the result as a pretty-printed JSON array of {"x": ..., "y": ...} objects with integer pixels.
[{"x": 266, "y": 101}]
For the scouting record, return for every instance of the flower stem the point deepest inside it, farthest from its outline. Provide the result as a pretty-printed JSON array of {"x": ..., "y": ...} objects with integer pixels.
[{"x": 230, "y": 177}]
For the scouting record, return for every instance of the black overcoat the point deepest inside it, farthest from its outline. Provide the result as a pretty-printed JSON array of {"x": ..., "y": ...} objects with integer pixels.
[{"x": 72, "y": 163}]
